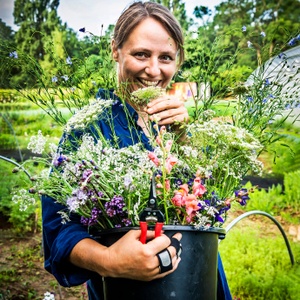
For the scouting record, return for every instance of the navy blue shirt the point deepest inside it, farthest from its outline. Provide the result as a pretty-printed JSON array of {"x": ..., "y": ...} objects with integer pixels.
[{"x": 59, "y": 239}]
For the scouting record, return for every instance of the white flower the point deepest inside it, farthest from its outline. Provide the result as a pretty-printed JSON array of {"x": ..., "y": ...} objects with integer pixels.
[
  {"x": 37, "y": 143},
  {"x": 87, "y": 114},
  {"x": 144, "y": 95},
  {"x": 49, "y": 296}
]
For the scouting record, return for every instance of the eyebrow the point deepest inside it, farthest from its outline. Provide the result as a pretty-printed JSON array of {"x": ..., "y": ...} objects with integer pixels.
[{"x": 148, "y": 50}]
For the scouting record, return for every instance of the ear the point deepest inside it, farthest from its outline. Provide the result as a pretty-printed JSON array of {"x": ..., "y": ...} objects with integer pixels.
[{"x": 114, "y": 51}]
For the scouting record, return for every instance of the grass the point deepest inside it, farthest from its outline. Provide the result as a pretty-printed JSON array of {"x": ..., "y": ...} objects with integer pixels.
[{"x": 257, "y": 263}]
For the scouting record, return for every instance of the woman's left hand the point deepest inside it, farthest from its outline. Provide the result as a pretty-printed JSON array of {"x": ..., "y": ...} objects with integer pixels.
[{"x": 167, "y": 110}]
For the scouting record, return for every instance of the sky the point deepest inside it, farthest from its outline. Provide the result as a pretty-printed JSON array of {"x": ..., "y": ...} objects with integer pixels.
[{"x": 91, "y": 14}]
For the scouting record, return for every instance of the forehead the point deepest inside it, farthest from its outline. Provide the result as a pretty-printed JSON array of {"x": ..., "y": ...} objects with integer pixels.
[{"x": 150, "y": 33}]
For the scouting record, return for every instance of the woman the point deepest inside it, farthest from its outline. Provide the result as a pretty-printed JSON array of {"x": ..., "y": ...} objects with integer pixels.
[{"x": 148, "y": 49}]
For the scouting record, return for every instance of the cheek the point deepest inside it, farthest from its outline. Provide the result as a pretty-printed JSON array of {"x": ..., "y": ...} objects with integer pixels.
[
  {"x": 169, "y": 71},
  {"x": 131, "y": 67}
]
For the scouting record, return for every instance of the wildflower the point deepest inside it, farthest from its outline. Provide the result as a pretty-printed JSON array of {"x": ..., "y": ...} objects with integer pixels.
[
  {"x": 68, "y": 61},
  {"x": 144, "y": 95},
  {"x": 82, "y": 29},
  {"x": 87, "y": 115},
  {"x": 263, "y": 34},
  {"x": 153, "y": 157},
  {"x": 244, "y": 28},
  {"x": 282, "y": 55},
  {"x": 54, "y": 79},
  {"x": 127, "y": 181},
  {"x": 13, "y": 54},
  {"x": 49, "y": 296},
  {"x": 292, "y": 42},
  {"x": 37, "y": 143},
  {"x": 249, "y": 44},
  {"x": 170, "y": 162},
  {"x": 65, "y": 77},
  {"x": 198, "y": 188}
]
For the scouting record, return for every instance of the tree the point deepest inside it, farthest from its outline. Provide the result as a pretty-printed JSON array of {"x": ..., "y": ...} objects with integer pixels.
[
  {"x": 274, "y": 21},
  {"x": 37, "y": 19},
  {"x": 5, "y": 31},
  {"x": 177, "y": 7}
]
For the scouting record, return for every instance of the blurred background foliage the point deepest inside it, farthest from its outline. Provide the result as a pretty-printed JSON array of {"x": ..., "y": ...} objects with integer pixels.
[{"x": 217, "y": 54}]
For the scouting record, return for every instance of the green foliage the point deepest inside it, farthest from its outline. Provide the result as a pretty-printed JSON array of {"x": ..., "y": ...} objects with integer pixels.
[
  {"x": 17, "y": 127},
  {"x": 291, "y": 190},
  {"x": 21, "y": 221},
  {"x": 37, "y": 19},
  {"x": 259, "y": 267},
  {"x": 285, "y": 153},
  {"x": 265, "y": 200},
  {"x": 277, "y": 200}
]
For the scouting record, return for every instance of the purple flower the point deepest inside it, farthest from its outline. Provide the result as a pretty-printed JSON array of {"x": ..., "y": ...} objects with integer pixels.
[
  {"x": 68, "y": 60},
  {"x": 65, "y": 77},
  {"x": 59, "y": 160},
  {"x": 263, "y": 34},
  {"x": 86, "y": 174},
  {"x": 54, "y": 79},
  {"x": 292, "y": 42},
  {"x": 115, "y": 206},
  {"x": 244, "y": 28},
  {"x": 82, "y": 29},
  {"x": 282, "y": 55},
  {"x": 13, "y": 54},
  {"x": 127, "y": 181},
  {"x": 242, "y": 196}
]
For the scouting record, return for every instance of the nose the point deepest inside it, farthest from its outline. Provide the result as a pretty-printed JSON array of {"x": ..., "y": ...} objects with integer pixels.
[{"x": 153, "y": 69}]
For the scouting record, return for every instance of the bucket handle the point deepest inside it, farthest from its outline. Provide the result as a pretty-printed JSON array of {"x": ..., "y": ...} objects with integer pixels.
[{"x": 258, "y": 212}]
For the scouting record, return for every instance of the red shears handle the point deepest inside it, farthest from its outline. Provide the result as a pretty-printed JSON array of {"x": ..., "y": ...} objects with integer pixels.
[{"x": 144, "y": 227}]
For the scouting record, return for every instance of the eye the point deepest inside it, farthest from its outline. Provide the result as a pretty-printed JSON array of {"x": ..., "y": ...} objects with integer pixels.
[
  {"x": 166, "y": 58},
  {"x": 140, "y": 55}
]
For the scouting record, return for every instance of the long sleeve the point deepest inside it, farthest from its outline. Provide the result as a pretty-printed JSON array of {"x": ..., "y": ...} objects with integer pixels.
[{"x": 58, "y": 242}]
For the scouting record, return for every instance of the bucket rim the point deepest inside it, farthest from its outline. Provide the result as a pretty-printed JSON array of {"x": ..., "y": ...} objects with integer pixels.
[{"x": 217, "y": 230}]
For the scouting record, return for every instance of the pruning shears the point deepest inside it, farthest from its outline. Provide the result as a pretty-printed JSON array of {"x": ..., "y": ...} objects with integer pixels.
[{"x": 151, "y": 214}]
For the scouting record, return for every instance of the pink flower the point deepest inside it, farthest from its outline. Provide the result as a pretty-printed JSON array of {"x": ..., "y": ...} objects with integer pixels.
[
  {"x": 167, "y": 185},
  {"x": 154, "y": 158},
  {"x": 180, "y": 196},
  {"x": 198, "y": 188},
  {"x": 158, "y": 141},
  {"x": 191, "y": 205},
  {"x": 168, "y": 146},
  {"x": 170, "y": 162}
]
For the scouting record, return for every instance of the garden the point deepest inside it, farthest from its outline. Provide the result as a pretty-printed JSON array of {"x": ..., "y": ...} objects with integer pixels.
[{"x": 232, "y": 68}]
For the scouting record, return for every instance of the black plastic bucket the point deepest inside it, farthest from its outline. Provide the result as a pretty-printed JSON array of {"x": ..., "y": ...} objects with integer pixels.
[{"x": 195, "y": 277}]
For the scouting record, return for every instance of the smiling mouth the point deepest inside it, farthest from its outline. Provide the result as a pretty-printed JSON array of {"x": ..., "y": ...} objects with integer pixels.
[{"x": 148, "y": 83}]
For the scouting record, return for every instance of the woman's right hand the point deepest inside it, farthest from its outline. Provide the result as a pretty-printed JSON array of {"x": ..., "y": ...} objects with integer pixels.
[{"x": 126, "y": 258}]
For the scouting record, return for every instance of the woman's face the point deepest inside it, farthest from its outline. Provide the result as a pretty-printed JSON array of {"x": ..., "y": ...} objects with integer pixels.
[{"x": 147, "y": 57}]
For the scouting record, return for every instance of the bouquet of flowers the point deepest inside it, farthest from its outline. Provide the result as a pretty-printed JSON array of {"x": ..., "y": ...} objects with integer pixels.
[{"x": 108, "y": 186}]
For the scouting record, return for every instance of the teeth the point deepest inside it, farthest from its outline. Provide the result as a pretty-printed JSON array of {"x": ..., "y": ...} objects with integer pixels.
[{"x": 149, "y": 83}]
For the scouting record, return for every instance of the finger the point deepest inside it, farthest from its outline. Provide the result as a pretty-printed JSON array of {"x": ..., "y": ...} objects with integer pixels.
[
  {"x": 176, "y": 245},
  {"x": 175, "y": 263},
  {"x": 161, "y": 104},
  {"x": 159, "y": 243},
  {"x": 166, "y": 118}
]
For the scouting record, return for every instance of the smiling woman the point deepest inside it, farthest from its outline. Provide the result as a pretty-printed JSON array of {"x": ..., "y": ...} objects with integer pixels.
[{"x": 148, "y": 48}]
